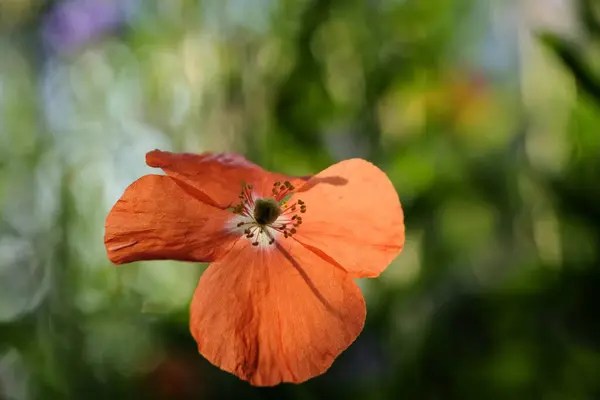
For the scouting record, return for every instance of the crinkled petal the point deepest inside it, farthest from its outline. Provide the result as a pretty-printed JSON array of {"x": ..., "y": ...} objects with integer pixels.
[
  {"x": 354, "y": 218},
  {"x": 271, "y": 316},
  {"x": 160, "y": 218},
  {"x": 217, "y": 175}
]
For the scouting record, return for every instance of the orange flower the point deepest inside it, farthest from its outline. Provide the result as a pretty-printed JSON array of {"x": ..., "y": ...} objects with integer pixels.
[{"x": 278, "y": 303}]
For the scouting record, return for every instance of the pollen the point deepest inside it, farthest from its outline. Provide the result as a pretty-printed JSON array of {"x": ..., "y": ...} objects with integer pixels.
[{"x": 264, "y": 220}]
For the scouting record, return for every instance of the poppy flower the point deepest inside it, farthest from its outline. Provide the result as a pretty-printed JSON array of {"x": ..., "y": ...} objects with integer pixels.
[{"x": 278, "y": 302}]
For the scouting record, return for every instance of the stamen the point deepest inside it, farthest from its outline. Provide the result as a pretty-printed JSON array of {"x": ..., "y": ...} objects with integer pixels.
[
  {"x": 266, "y": 216},
  {"x": 281, "y": 190}
]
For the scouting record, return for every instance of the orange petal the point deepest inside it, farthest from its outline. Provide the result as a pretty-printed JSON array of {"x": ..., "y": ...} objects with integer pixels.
[
  {"x": 217, "y": 176},
  {"x": 159, "y": 218},
  {"x": 353, "y": 218},
  {"x": 271, "y": 316}
]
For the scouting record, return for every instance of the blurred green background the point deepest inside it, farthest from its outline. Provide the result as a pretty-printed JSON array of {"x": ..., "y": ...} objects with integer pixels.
[{"x": 485, "y": 114}]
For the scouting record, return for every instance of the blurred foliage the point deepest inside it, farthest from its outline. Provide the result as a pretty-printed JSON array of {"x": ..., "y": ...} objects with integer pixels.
[{"x": 484, "y": 114}]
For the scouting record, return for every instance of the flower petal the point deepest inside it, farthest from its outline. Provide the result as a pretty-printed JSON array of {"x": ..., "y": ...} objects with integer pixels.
[
  {"x": 354, "y": 218},
  {"x": 275, "y": 316},
  {"x": 218, "y": 175},
  {"x": 160, "y": 218}
]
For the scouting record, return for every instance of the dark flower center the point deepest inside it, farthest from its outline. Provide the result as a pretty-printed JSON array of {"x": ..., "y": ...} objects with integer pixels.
[{"x": 266, "y": 211}]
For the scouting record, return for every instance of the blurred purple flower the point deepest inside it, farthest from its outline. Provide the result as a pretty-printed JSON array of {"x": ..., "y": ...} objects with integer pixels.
[{"x": 73, "y": 23}]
